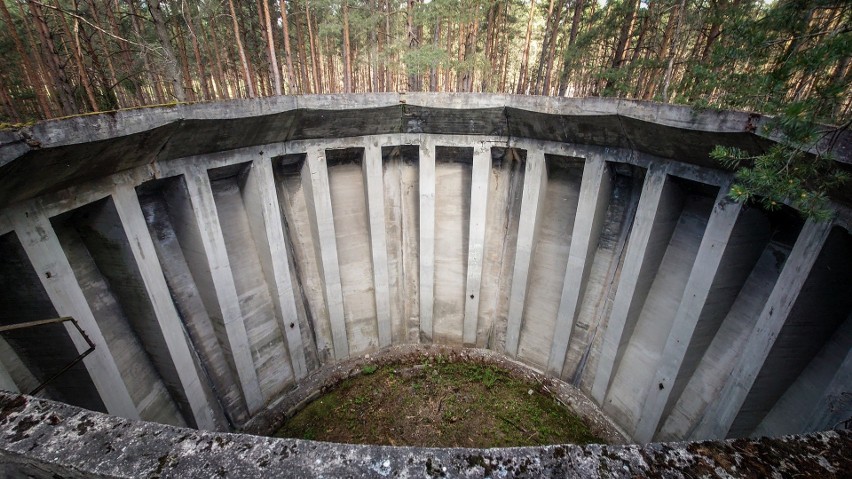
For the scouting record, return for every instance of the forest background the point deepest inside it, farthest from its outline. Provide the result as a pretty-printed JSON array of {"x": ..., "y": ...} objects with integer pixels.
[
  {"x": 788, "y": 58},
  {"x": 65, "y": 57}
]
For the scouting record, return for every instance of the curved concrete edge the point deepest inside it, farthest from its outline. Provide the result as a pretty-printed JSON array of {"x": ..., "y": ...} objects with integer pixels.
[
  {"x": 321, "y": 380},
  {"x": 102, "y": 126},
  {"x": 87, "y": 147},
  {"x": 45, "y": 439}
]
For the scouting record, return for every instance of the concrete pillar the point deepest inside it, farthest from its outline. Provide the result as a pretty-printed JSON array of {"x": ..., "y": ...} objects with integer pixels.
[
  {"x": 374, "y": 181},
  {"x": 720, "y": 414},
  {"x": 20, "y": 378},
  {"x": 427, "y": 237},
  {"x": 318, "y": 199},
  {"x": 50, "y": 263},
  {"x": 227, "y": 300},
  {"x": 833, "y": 406},
  {"x": 480, "y": 177},
  {"x": 635, "y": 279},
  {"x": 591, "y": 211},
  {"x": 690, "y": 311},
  {"x": 133, "y": 221},
  {"x": 535, "y": 186},
  {"x": 7, "y": 383},
  {"x": 815, "y": 401},
  {"x": 264, "y": 215}
]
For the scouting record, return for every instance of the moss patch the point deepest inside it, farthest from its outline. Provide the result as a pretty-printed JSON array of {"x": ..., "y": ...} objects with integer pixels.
[{"x": 438, "y": 403}]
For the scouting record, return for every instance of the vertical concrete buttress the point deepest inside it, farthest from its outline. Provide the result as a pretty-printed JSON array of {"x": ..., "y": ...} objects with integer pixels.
[
  {"x": 7, "y": 383},
  {"x": 634, "y": 281},
  {"x": 318, "y": 198},
  {"x": 689, "y": 312},
  {"x": 265, "y": 221},
  {"x": 535, "y": 186},
  {"x": 476, "y": 243},
  {"x": 133, "y": 221},
  {"x": 427, "y": 237},
  {"x": 373, "y": 179},
  {"x": 591, "y": 211},
  {"x": 228, "y": 304},
  {"x": 720, "y": 414},
  {"x": 815, "y": 401},
  {"x": 828, "y": 412},
  {"x": 49, "y": 261}
]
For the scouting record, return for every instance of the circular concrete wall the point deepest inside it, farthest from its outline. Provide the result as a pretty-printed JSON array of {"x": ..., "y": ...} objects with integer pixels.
[{"x": 218, "y": 255}]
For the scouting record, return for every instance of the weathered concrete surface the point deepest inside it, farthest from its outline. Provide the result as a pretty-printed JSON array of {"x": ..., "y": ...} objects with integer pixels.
[
  {"x": 535, "y": 186},
  {"x": 453, "y": 182},
  {"x": 552, "y": 242},
  {"x": 220, "y": 296},
  {"x": 22, "y": 298},
  {"x": 44, "y": 439},
  {"x": 720, "y": 415},
  {"x": 257, "y": 311},
  {"x": 45, "y": 253},
  {"x": 87, "y": 147},
  {"x": 352, "y": 230},
  {"x": 100, "y": 257},
  {"x": 265, "y": 246},
  {"x": 656, "y": 216},
  {"x": 177, "y": 241},
  {"x": 402, "y": 194}
]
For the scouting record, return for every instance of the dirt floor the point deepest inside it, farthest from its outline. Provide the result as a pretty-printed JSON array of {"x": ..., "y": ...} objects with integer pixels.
[{"x": 438, "y": 403}]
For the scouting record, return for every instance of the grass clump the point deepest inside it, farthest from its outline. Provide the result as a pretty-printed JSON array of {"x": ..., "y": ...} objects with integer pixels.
[{"x": 438, "y": 403}]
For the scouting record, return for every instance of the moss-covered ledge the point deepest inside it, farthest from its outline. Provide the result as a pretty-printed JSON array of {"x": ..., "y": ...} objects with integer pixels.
[{"x": 46, "y": 439}]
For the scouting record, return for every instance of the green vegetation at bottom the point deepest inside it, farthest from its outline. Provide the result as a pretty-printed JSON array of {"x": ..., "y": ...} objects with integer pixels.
[{"x": 438, "y": 404}]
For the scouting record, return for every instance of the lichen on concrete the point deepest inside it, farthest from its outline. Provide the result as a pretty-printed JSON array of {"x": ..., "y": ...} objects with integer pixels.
[{"x": 45, "y": 439}]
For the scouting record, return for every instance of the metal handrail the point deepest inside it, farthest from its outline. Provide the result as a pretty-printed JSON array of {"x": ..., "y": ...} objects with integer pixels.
[{"x": 43, "y": 322}]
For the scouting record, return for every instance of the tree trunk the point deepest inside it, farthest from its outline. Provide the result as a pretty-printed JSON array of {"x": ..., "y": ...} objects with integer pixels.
[
  {"x": 470, "y": 53},
  {"x": 413, "y": 43},
  {"x": 314, "y": 54},
  {"x": 490, "y": 29},
  {"x": 126, "y": 56},
  {"x": 184, "y": 63},
  {"x": 505, "y": 45},
  {"x": 56, "y": 69},
  {"x": 623, "y": 38},
  {"x": 8, "y": 104},
  {"x": 542, "y": 58},
  {"x": 303, "y": 58},
  {"x": 270, "y": 44},
  {"x": 448, "y": 71},
  {"x": 196, "y": 50},
  {"x": 374, "y": 51},
  {"x": 150, "y": 79},
  {"x": 389, "y": 86},
  {"x": 29, "y": 71},
  {"x": 320, "y": 55},
  {"x": 554, "y": 36},
  {"x": 221, "y": 79},
  {"x": 347, "y": 60},
  {"x": 572, "y": 37},
  {"x": 172, "y": 69},
  {"x": 291, "y": 75},
  {"x": 667, "y": 78},
  {"x": 525, "y": 58},
  {"x": 115, "y": 95},
  {"x": 330, "y": 70},
  {"x": 241, "y": 50},
  {"x": 433, "y": 70},
  {"x": 78, "y": 59}
]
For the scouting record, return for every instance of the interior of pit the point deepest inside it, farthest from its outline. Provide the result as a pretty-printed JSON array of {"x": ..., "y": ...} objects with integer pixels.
[{"x": 214, "y": 283}]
